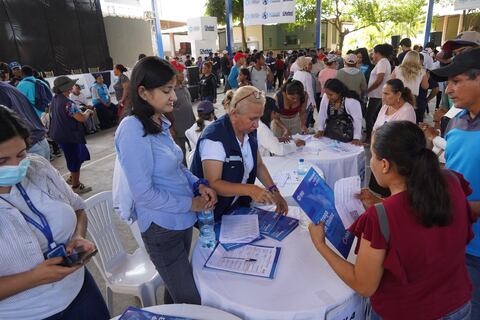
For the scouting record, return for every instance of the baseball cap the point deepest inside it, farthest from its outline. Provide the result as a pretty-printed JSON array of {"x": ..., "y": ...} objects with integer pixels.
[
  {"x": 463, "y": 62},
  {"x": 351, "y": 58},
  {"x": 465, "y": 38},
  {"x": 177, "y": 66},
  {"x": 331, "y": 57},
  {"x": 205, "y": 107},
  {"x": 239, "y": 55},
  {"x": 14, "y": 65}
]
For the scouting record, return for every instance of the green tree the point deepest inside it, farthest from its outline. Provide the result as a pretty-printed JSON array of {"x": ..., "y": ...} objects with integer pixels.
[
  {"x": 216, "y": 8},
  {"x": 361, "y": 13}
]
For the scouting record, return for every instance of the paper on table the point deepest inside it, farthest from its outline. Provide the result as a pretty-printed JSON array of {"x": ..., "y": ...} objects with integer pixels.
[
  {"x": 281, "y": 179},
  {"x": 239, "y": 228},
  {"x": 348, "y": 206},
  {"x": 251, "y": 260}
]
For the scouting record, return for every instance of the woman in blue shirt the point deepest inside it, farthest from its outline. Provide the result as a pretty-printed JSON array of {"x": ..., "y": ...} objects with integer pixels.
[
  {"x": 165, "y": 193},
  {"x": 106, "y": 110}
]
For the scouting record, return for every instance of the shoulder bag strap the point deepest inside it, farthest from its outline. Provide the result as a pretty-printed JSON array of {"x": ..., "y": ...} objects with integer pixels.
[{"x": 383, "y": 221}]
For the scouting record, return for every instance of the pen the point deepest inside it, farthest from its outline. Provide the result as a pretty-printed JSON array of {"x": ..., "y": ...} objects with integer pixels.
[{"x": 245, "y": 259}]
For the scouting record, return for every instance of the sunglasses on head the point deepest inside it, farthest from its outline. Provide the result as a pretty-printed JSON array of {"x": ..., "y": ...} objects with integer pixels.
[{"x": 257, "y": 94}]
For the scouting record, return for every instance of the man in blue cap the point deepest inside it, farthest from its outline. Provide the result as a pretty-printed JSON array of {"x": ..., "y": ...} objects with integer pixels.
[
  {"x": 462, "y": 153},
  {"x": 16, "y": 70}
]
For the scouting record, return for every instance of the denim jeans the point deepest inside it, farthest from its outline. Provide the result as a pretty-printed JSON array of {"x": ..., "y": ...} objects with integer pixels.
[
  {"x": 88, "y": 304},
  {"x": 41, "y": 148},
  {"x": 473, "y": 266},
  {"x": 168, "y": 250},
  {"x": 462, "y": 313}
]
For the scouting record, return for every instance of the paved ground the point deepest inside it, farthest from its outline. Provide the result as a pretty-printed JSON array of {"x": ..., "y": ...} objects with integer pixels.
[{"x": 98, "y": 173}]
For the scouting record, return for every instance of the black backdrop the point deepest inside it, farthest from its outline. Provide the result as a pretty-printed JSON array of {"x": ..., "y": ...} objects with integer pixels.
[{"x": 58, "y": 35}]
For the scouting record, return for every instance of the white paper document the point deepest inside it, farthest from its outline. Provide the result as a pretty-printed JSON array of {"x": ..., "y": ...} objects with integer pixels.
[
  {"x": 252, "y": 260},
  {"x": 282, "y": 179},
  {"x": 239, "y": 228},
  {"x": 349, "y": 208}
]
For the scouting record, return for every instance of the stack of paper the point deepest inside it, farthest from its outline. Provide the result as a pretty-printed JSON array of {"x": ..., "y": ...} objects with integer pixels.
[
  {"x": 239, "y": 229},
  {"x": 348, "y": 206},
  {"x": 251, "y": 260}
]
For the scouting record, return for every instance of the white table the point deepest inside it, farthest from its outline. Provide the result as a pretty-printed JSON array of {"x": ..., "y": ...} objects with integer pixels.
[
  {"x": 190, "y": 311},
  {"x": 304, "y": 287},
  {"x": 337, "y": 160},
  {"x": 278, "y": 166}
]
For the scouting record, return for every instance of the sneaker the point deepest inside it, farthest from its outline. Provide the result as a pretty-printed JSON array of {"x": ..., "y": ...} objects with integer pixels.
[{"x": 81, "y": 189}]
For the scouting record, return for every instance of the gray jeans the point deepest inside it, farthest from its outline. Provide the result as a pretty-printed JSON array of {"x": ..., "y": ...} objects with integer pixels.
[{"x": 168, "y": 250}]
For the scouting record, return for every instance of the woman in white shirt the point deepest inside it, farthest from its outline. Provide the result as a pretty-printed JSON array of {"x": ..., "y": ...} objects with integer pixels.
[
  {"x": 305, "y": 77},
  {"x": 206, "y": 116},
  {"x": 411, "y": 72},
  {"x": 339, "y": 99},
  {"x": 268, "y": 143},
  {"x": 41, "y": 221}
]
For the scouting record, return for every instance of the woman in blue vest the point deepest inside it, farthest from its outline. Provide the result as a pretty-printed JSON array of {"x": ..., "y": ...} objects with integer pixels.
[
  {"x": 227, "y": 156},
  {"x": 106, "y": 110},
  {"x": 166, "y": 195}
]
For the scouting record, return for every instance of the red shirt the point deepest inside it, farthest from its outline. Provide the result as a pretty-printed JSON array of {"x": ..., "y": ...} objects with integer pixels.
[{"x": 425, "y": 274}]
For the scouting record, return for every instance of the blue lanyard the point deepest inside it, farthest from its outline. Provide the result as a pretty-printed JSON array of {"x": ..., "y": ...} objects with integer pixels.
[{"x": 44, "y": 227}]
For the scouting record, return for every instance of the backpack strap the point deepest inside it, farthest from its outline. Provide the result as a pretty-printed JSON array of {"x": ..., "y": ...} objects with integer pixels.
[{"x": 383, "y": 221}]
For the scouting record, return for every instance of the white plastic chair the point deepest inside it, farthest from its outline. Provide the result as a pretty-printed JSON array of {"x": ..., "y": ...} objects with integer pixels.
[{"x": 125, "y": 273}]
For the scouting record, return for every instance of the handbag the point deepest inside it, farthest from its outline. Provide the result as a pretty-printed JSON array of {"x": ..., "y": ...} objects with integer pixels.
[{"x": 339, "y": 124}]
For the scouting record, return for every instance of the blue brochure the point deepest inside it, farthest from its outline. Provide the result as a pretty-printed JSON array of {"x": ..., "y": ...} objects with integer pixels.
[
  {"x": 272, "y": 224},
  {"x": 133, "y": 313},
  {"x": 316, "y": 198}
]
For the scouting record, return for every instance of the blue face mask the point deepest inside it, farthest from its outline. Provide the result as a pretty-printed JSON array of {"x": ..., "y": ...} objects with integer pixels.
[{"x": 11, "y": 175}]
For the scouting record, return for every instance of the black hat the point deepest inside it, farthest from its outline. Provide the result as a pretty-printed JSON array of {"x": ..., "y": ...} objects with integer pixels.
[
  {"x": 205, "y": 107},
  {"x": 63, "y": 83},
  {"x": 468, "y": 59}
]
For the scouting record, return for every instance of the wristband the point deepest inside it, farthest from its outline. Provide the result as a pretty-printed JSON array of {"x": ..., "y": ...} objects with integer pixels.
[
  {"x": 197, "y": 184},
  {"x": 273, "y": 188}
]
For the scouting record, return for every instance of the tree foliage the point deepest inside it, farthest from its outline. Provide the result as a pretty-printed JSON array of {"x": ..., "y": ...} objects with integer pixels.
[
  {"x": 216, "y": 8},
  {"x": 360, "y": 13}
]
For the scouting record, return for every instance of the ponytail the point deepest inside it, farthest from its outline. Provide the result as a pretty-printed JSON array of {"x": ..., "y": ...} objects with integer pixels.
[
  {"x": 403, "y": 143},
  {"x": 202, "y": 117},
  {"x": 407, "y": 96}
]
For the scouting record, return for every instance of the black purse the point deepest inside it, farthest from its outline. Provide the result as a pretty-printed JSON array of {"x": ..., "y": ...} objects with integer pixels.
[{"x": 339, "y": 124}]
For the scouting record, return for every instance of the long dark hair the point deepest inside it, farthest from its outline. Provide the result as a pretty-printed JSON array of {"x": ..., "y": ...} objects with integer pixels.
[
  {"x": 365, "y": 57},
  {"x": 150, "y": 72},
  {"x": 340, "y": 88},
  {"x": 270, "y": 106},
  {"x": 12, "y": 126},
  {"x": 403, "y": 143},
  {"x": 398, "y": 86},
  {"x": 292, "y": 87},
  {"x": 121, "y": 68},
  {"x": 202, "y": 117}
]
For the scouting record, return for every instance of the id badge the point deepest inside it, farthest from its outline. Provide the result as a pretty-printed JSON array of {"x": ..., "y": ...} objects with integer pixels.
[{"x": 58, "y": 251}]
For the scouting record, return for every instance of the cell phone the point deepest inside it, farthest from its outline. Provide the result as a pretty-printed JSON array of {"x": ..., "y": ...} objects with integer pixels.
[{"x": 78, "y": 257}]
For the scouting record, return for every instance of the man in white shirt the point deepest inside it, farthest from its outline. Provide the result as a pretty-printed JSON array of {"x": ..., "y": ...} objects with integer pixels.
[{"x": 259, "y": 73}]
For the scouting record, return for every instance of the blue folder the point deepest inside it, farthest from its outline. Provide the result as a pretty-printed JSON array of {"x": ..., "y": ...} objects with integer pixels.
[
  {"x": 133, "y": 313},
  {"x": 316, "y": 198}
]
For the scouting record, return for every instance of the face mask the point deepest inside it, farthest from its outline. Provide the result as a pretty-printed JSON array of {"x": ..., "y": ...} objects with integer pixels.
[{"x": 11, "y": 175}]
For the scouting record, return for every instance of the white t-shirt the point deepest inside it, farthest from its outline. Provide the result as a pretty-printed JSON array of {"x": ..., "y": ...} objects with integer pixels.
[
  {"x": 213, "y": 150},
  {"x": 294, "y": 68},
  {"x": 268, "y": 142},
  {"x": 383, "y": 66},
  {"x": 406, "y": 112},
  {"x": 306, "y": 79},
  {"x": 412, "y": 84},
  {"x": 427, "y": 61},
  {"x": 45, "y": 300},
  {"x": 258, "y": 78},
  {"x": 192, "y": 134},
  {"x": 79, "y": 100}
]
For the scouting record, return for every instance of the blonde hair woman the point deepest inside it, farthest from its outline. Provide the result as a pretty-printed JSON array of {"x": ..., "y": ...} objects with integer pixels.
[{"x": 411, "y": 72}]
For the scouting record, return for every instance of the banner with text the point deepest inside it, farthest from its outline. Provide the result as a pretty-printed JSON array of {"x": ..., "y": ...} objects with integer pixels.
[
  {"x": 258, "y": 12},
  {"x": 466, "y": 4}
]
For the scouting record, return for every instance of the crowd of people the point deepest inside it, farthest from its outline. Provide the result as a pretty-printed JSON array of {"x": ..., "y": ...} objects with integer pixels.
[{"x": 418, "y": 249}]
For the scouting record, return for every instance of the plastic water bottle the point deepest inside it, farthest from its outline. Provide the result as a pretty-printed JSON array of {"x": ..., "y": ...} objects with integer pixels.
[
  {"x": 301, "y": 169},
  {"x": 207, "y": 233}
]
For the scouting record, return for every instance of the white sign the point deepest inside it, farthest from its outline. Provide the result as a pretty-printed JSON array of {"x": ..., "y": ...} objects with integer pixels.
[
  {"x": 258, "y": 12},
  {"x": 466, "y": 4},
  {"x": 203, "y": 47},
  {"x": 202, "y": 28}
]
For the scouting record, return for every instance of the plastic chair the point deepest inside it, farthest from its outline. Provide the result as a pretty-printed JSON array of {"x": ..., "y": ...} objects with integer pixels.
[
  {"x": 125, "y": 273},
  {"x": 49, "y": 74}
]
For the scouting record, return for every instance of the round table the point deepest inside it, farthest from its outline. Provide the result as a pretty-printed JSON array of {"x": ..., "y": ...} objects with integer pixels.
[
  {"x": 337, "y": 160},
  {"x": 190, "y": 311},
  {"x": 304, "y": 287},
  {"x": 283, "y": 172}
]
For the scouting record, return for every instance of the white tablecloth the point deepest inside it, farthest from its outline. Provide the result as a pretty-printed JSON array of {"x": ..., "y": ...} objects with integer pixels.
[
  {"x": 337, "y": 160},
  {"x": 280, "y": 166},
  {"x": 305, "y": 287},
  {"x": 190, "y": 311}
]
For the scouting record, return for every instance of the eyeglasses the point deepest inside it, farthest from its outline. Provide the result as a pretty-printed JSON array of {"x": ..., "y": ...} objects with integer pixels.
[{"x": 257, "y": 94}]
